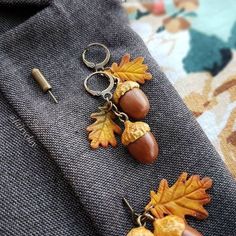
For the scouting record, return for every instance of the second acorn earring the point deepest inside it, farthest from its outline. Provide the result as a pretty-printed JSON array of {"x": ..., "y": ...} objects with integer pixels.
[
  {"x": 131, "y": 99},
  {"x": 125, "y": 80}
]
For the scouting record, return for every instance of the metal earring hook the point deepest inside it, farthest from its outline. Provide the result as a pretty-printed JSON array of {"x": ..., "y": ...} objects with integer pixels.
[
  {"x": 97, "y": 92},
  {"x": 135, "y": 216},
  {"x": 139, "y": 219},
  {"x": 99, "y": 65}
]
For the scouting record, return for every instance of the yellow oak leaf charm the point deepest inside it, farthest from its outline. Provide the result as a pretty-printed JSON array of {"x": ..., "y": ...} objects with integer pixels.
[
  {"x": 102, "y": 131},
  {"x": 185, "y": 197},
  {"x": 133, "y": 70}
]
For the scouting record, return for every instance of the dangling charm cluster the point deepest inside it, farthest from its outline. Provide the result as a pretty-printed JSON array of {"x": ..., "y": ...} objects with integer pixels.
[
  {"x": 127, "y": 102},
  {"x": 169, "y": 206}
]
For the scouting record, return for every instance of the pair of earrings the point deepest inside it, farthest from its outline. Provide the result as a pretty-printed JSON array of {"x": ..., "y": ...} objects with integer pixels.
[
  {"x": 169, "y": 206},
  {"x": 125, "y": 100}
]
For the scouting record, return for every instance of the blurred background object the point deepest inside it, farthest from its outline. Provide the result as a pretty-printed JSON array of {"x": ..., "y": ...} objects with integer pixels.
[{"x": 194, "y": 43}]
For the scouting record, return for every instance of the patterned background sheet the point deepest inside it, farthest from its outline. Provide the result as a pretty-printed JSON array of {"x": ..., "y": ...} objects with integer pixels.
[{"x": 194, "y": 42}]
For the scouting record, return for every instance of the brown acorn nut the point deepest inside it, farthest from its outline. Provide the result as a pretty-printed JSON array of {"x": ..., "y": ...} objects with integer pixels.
[
  {"x": 140, "y": 231},
  {"x": 131, "y": 99},
  {"x": 140, "y": 142},
  {"x": 173, "y": 226}
]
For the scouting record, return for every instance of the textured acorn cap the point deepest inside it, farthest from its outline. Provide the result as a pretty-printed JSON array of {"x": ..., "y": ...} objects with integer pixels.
[
  {"x": 134, "y": 131},
  {"x": 140, "y": 231},
  {"x": 169, "y": 225},
  {"x": 122, "y": 88}
]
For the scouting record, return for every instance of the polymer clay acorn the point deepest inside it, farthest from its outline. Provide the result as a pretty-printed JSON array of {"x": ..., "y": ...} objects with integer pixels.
[
  {"x": 140, "y": 231},
  {"x": 173, "y": 226},
  {"x": 140, "y": 142},
  {"x": 167, "y": 226},
  {"x": 131, "y": 99},
  {"x": 169, "y": 206},
  {"x": 126, "y": 77}
]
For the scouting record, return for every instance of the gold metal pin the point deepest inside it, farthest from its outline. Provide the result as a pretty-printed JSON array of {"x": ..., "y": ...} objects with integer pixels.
[{"x": 43, "y": 83}]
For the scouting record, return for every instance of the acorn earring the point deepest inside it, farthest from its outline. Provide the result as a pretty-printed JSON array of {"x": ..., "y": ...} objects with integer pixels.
[
  {"x": 168, "y": 208},
  {"x": 131, "y": 99},
  {"x": 124, "y": 79}
]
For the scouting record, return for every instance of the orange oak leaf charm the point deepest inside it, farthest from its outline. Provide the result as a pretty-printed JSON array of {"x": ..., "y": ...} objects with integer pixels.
[
  {"x": 102, "y": 131},
  {"x": 128, "y": 70},
  {"x": 185, "y": 197}
]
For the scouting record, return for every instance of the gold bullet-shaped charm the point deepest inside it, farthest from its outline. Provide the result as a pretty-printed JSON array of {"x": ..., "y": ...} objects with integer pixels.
[{"x": 43, "y": 83}]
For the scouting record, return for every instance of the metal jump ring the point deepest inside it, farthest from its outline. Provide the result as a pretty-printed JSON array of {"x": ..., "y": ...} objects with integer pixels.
[
  {"x": 99, "y": 65},
  {"x": 97, "y": 92},
  {"x": 139, "y": 221}
]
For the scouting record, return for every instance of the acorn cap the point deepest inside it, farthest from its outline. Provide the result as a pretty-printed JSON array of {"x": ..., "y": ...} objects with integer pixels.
[
  {"x": 122, "y": 88},
  {"x": 134, "y": 131},
  {"x": 169, "y": 225}
]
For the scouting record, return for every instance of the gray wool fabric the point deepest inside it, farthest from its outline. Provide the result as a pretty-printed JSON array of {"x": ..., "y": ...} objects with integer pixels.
[{"x": 51, "y": 182}]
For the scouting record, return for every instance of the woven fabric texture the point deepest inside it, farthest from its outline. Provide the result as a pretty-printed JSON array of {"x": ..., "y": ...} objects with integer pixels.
[
  {"x": 198, "y": 57},
  {"x": 52, "y": 183}
]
